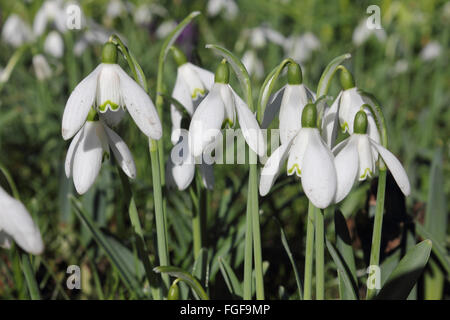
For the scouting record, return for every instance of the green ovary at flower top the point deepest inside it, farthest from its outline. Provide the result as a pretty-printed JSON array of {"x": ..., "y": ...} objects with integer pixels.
[
  {"x": 356, "y": 156},
  {"x": 191, "y": 84},
  {"x": 221, "y": 104},
  {"x": 110, "y": 90},
  {"x": 344, "y": 108},
  {"x": 309, "y": 158}
]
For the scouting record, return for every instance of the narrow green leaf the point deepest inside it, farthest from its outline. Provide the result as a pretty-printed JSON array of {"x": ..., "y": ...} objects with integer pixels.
[
  {"x": 438, "y": 248},
  {"x": 327, "y": 75},
  {"x": 230, "y": 277},
  {"x": 344, "y": 247},
  {"x": 200, "y": 270},
  {"x": 405, "y": 275},
  {"x": 30, "y": 278},
  {"x": 291, "y": 259},
  {"x": 351, "y": 292},
  {"x": 186, "y": 277}
]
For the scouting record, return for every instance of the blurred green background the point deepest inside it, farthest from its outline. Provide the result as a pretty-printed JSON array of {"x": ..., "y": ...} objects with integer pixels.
[{"x": 405, "y": 65}]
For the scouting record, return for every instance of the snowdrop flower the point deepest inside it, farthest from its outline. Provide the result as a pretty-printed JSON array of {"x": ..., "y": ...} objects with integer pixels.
[
  {"x": 300, "y": 48},
  {"x": 16, "y": 224},
  {"x": 51, "y": 12},
  {"x": 253, "y": 64},
  {"x": 344, "y": 109},
  {"x": 116, "y": 8},
  {"x": 362, "y": 33},
  {"x": 165, "y": 28},
  {"x": 431, "y": 51},
  {"x": 290, "y": 101},
  {"x": 96, "y": 34},
  {"x": 192, "y": 84},
  {"x": 221, "y": 104},
  {"x": 229, "y": 7},
  {"x": 85, "y": 154},
  {"x": 180, "y": 167},
  {"x": 356, "y": 156},
  {"x": 54, "y": 44},
  {"x": 41, "y": 67},
  {"x": 110, "y": 90},
  {"x": 16, "y": 32},
  {"x": 309, "y": 158}
]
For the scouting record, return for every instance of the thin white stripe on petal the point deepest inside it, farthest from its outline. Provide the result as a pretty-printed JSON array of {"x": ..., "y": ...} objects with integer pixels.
[{"x": 79, "y": 104}]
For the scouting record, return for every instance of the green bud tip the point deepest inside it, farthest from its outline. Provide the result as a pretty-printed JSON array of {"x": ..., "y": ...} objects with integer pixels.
[
  {"x": 360, "y": 122},
  {"x": 347, "y": 81},
  {"x": 174, "y": 291},
  {"x": 309, "y": 116},
  {"x": 222, "y": 73},
  {"x": 109, "y": 53},
  {"x": 92, "y": 115},
  {"x": 178, "y": 55},
  {"x": 294, "y": 74}
]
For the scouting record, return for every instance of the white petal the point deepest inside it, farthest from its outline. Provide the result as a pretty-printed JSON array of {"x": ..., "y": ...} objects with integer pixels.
[
  {"x": 70, "y": 153},
  {"x": 272, "y": 168},
  {"x": 140, "y": 106},
  {"x": 318, "y": 172},
  {"x": 366, "y": 163},
  {"x": 181, "y": 93},
  {"x": 249, "y": 126},
  {"x": 207, "y": 173},
  {"x": 88, "y": 156},
  {"x": 17, "y": 223},
  {"x": 121, "y": 152},
  {"x": 226, "y": 93},
  {"x": 206, "y": 76},
  {"x": 273, "y": 107},
  {"x": 192, "y": 81},
  {"x": 108, "y": 95},
  {"x": 396, "y": 168},
  {"x": 206, "y": 121},
  {"x": 79, "y": 104},
  {"x": 181, "y": 174},
  {"x": 297, "y": 152},
  {"x": 294, "y": 100},
  {"x": 330, "y": 122},
  {"x": 346, "y": 163}
]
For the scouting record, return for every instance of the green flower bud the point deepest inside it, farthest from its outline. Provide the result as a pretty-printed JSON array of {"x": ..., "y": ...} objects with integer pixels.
[
  {"x": 222, "y": 73},
  {"x": 309, "y": 116},
  {"x": 179, "y": 56},
  {"x": 93, "y": 115},
  {"x": 294, "y": 74},
  {"x": 347, "y": 81},
  {"x": 109, "y": 53},
  {"x": 360, "y": 123},
  {"x": 174, "y": 291}
]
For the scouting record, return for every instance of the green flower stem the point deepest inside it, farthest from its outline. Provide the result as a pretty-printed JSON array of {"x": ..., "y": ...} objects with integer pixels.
[
  {"x": 248, "y": 262},
  {"x": 140, "y": 241},
  {"x": 253, "y": 179},
  {"x": 320, "y": 274},
  {"x": 161, "y": 230},
  {"x": 28, "y": 271},
  {"x": 307, "y": 289},
  {"x": 12, "y": 63},
  {"x": 199, "y": 198}
]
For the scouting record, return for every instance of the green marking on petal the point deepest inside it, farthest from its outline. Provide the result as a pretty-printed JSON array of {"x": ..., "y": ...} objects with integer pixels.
[
  {"x": 295, "y": 167},
  {"x": 197, "y": 91},
  {"x": 229, "y": 122},
  {"x": 367, "y": 173},
  {"x": 108, "y": 104},
  {"x": 105, "y": 156},
  {"x": 345, "y": 127}
]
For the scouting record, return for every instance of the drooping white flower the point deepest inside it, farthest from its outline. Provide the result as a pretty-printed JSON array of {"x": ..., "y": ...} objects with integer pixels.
[
  {"x": 253, "y": 64},
  {"x": 362, "y": 33},
  {"x": 309, "y": 158},
  {"x": 229, "y": 8},
  {"x": 221, "y": 104},
  {"x": 16, "y": 224},
  {"x": 165, "y": 28},
  {"x": 54, "y": 44},
  {"x": 85, "y": 154},
  {"x": 41, "y": 67},
  {"x": 180, "y": 168},
  {"x": 344, "y": 109},
  {"x": 289, "y": 101},
  {"x": 431, "y": 51},
  {"x": 356, "y": 156},
  {"x": 110, "y": 90},
  {"x": 300, "y": 48},
  {"x": 50, "y": 13},
  {"x": 95, "y": 34},
  {"x": 191, "y": 85},
  {"x": 16, "y": 31}
]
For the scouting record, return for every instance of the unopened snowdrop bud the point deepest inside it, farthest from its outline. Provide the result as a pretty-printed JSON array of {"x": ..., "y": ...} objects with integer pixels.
[
  {"x": 309, "y": 116},
  {"x": 360, "y": 123},
  {"x": 179, "y": 56},
  {"x": 222, "y": 73},
  {"x": 346, "y": 78},
  {"x": 174, "y": 291},
  {"x": 109, "y": 53},
  {"x": 294, "y": 74}
]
